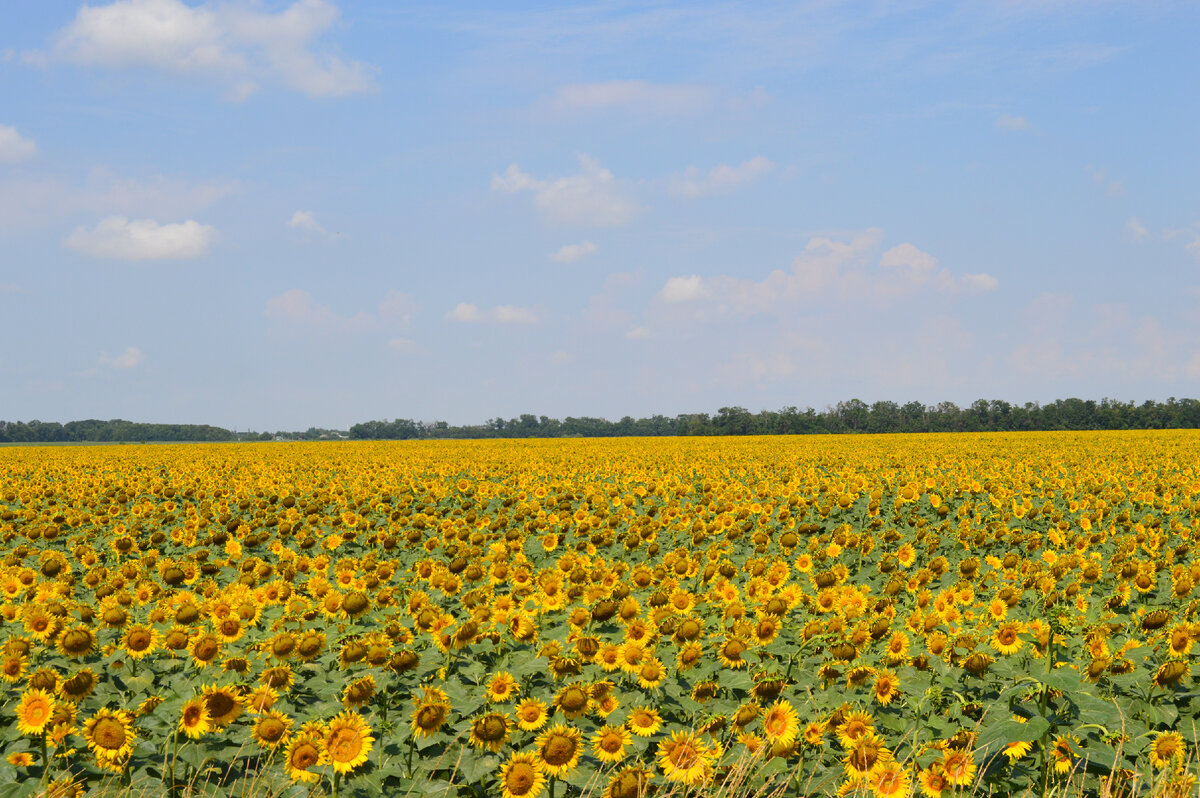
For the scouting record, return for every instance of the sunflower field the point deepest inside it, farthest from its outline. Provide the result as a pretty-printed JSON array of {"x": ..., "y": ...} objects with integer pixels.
[{"x": 928, "y": 615}]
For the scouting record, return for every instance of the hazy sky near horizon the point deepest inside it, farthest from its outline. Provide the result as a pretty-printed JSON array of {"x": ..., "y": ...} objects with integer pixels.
[{"x": 276, "y": 215}]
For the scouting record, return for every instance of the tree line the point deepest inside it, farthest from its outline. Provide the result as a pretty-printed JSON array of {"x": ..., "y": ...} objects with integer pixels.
[{"x": 853, "y": 416}]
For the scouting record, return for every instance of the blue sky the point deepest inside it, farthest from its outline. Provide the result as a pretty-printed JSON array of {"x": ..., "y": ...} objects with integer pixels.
[{"x": 275, "y": 215}]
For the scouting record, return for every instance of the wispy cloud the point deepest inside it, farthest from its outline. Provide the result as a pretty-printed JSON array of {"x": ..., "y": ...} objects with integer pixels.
[
  {"x": 1009, "y": 122},
  {"x": 827, "y": 269},
  {"x": 591, "y": 197},
  {"x": 233, "y": 42},
  {"x": 15, "y": 147},
  {"x": 297, "y": 309},
  {"x": 570, "y": 253},
  {"x": 501, "y": 314},
  {"x": 692, "y": 183},
  {"x": 142, "y": 239}
]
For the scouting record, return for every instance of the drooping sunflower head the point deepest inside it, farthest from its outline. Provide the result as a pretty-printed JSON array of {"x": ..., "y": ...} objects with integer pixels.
[
  {"x": 630, "y": 782},
  {"x": 428, "y": 718},
  {"x": 490, "y": 731}
]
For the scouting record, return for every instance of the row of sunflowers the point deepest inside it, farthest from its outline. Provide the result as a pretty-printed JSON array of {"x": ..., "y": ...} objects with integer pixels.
[{"x": 886, "y": 616}]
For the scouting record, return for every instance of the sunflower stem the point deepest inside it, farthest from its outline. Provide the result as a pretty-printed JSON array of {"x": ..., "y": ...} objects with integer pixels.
[
  {"x": 337, "y": 781},
  {"x": 174, "y": 760},
  {"x": 45, "y": 762}
]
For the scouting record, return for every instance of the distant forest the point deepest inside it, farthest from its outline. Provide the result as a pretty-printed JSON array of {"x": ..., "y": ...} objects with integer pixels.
[{"x": 853, "y": 416}]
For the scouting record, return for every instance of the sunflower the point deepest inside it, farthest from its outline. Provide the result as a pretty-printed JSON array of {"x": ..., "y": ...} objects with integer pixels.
[
  {"x": 573, "y": 701},
  {"x": 359, "y": 692},
  {"x": 1006, "y": 639},
  {"x": 34, "y": 711},
  {"x": 79, "y": 686},
  {"x": 781, "y": 723},
  {"x": 689, "y": 655},
  {"x": 194, "y": 720},
  {"x": 271, "y": 730},
  {"x": 933, "y": 780},
  {"x": 20, "y": 759},
  {"x": 814, "y": 733},
  {"x": 644, "y": 721},
  {"x": 609, "y": 742},
  {"x": 558, "y": 749},
  {"x": 531, "y": 714},
  {"x": 139, "y": 640},
  {"x": 685, "y": 758},
  {"x": 1167, "y": 746},
  {"x": 865, "y": 756},
  {"x": 76, "y": 642},
  {"x": 348, "y": 741},
  {"x": 887, "y": 685},
  {"x": 204, "y": 649},
  {"x": 731, "y": 651},
  {"x": 1016, "y": 749},
  {"x": 429, "y": 716},
  {"x": 521, "y": 776},
  {"x": 958, "y": 767},
  {"x": 854, "y": 725},
  {"x": 890, "y": 780},
  {"x": 304, "y": 754},
  {"x": 311, "y": 644},
  {"x": 651, "y": 673},
  {"x": 1171, "y": 673},
  {"x": 490, "y": 731},
  {"x": 630, "y": 782},
  {"x": 224, "y": 705},
  {"x": 109, "y": 733},
  {"x": 12, "y": 666},
  {"x": 260, "y": 699},
  {"x": 502, "y": 688}
]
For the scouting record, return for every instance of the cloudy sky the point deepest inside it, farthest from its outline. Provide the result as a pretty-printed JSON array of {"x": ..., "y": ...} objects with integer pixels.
[{"x": 271, "y": 215}]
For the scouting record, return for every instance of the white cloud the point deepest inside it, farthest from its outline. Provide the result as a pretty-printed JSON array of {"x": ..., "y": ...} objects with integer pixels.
[
  {"x": 683, "y": 289},
  {"x": 637, "y": 333},
  {"x": 297, "y": 308},
  {"x": 402, "y": 344},
  {"x": 979, "y": 283},
  {"x": 233, "y": 42},
  {"x": 26, "y": 203},
  {"x": 1100, "y": 179},
  {"x": 1136, "y": 229},
  {"x": 305, "y": 220},
  {"x": 570, "y": 253},
  {"x": 591, "y": 197},
  {"x": 693, "y": 184},
  {"x": 1007, "y": 122},
  {"x": 142, "y": 239},
  {"x": 13, "y": 146},
  {"x": 637, "y": 95},
  {"x": 831, "y": 270},
  {"x": 561, "y": 357},
  {"x": 131, "y": 358},
  {"x": 501, "y": 314}
]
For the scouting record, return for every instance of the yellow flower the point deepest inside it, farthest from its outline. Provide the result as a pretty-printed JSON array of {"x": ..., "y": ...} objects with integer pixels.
[
  {"x": 348, "y": 741},
  {"x": 522, "y": 777},
  {"x": 685, "y": 758},
  {"x": 558, "y": 749},
  {"x": 34, "y": 711},
  {"x": 194, "y": 720},
  {"x": 609, "y": 742}
]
